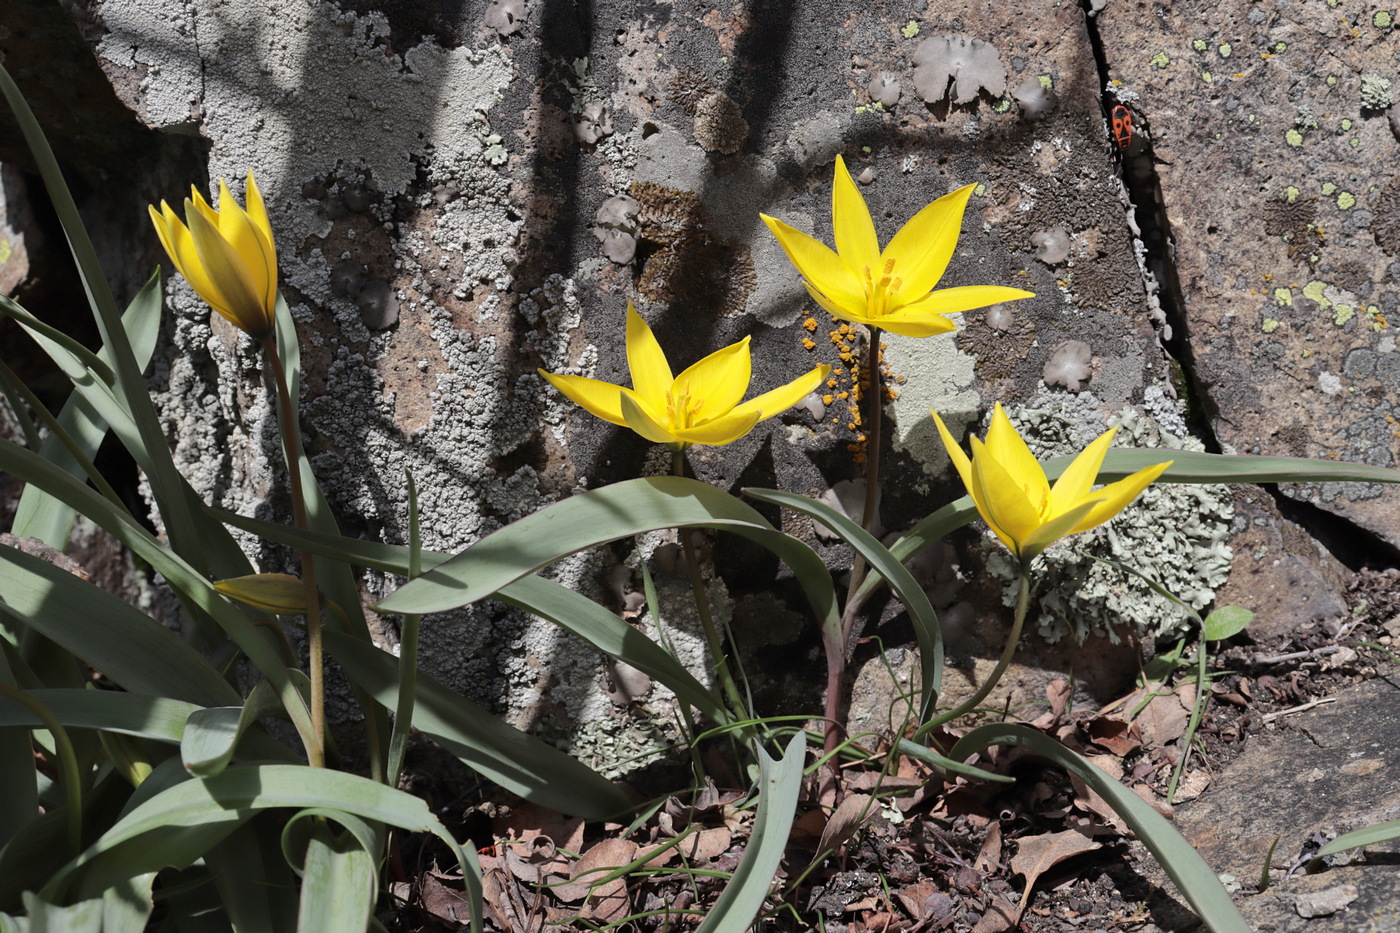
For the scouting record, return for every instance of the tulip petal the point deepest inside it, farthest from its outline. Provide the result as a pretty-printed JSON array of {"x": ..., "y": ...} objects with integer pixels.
[
  {"x": 598, "y": 398},
  {"x": 1055, "y": 529},
  {"x": 255, "y": 249},
  {"x": 641, "y": 421},
  {"x": 954, "y": 300},
  {"x": 168, "y": 228},
  {"x": 856, "y": 242},
  {"x": 720, "y": 431},
  {"x": 922, "y": 247},
  {"x": 1076, "y": 482},
  {"x": 718, "y": 382},
  {"x": 1115, "y": 497},
  {"x": 1007, "y": 448},
  {"x": 776, "y": 401},
  {"x": 955, "y": 454},
  {"x": 651, "y": 374},
  {"x": 1008, "y": 510},
  {"x": 915, "y": 325},
  {"x": 856, "y": 314},
  {"x": 820, "y": 266},
  {"x": 257, "y": 210},
  {"x": 225, "y": 275}
]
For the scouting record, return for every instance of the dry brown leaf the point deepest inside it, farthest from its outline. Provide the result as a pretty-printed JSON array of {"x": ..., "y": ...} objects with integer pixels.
[
  {"x": 529, "y": 820},
  {"x": 1057, "y": 692},
  {"x": 1119, "y": 737},
  {"x": 608, "y": 903},
  {"x": 1164, "y": 719},
  {"x": 1036, "y": 854},
  {"x": 593, "y": 865},
  {"x": 1000, "y": 916},
  {"x": 844, "y": 821},
  {"x": 1192, "y": 786},
  {"x": 920, "y": 899},
  {"x": 989, "y": 856}
]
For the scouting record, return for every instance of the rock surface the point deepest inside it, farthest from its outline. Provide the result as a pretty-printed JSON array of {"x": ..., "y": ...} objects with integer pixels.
[{"x": 463, "y": 193}]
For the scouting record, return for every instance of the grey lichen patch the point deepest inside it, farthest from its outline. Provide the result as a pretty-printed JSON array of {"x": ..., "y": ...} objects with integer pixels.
[
  {"x": 939, "y": 376},
  {"x": 1375, "y": 92},
  {"x": 1051, "y": 246},
  {"x": 505, "y": 16},
  {"x": 1036, "y": 98},
  {"x": 1070, "y": 365},
  {"x": 1000, "y": 339},
  {"x": 615, "y": 226},
  {"x": 1175, "y": 534},
  {"x": 969, "y": 65},
  {"x": 885, "y": 89}
]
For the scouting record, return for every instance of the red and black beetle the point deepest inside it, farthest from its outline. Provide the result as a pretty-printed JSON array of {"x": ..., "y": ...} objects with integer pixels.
[{"x": 1121, "y": 124}]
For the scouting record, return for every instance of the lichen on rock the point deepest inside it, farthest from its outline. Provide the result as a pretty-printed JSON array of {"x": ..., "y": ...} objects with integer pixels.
[{"x": 1175, "y": 534}]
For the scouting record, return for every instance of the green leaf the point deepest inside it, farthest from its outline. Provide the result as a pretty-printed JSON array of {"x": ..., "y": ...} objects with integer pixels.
[
  {"x": 106, "y": 632},
  {"x": 31, "y": 468},
  {"x": 927, "y": 629},
  {"x": 597, "y": 517},
  {"x": 1227, "y": 621},
  {"x": 520, "y": 763},
  {"x": 338, "y": 883},
  {"x": 1183, "y": 864},
  {"x": 1370, "y": 835},
  {"x": 174, "y": 825},
  {"x": 743, "y": 897},
  {"x": 545, "y": 598},
  {"x": 926, "y": 754},
  {"x": 41, "y": 516}
]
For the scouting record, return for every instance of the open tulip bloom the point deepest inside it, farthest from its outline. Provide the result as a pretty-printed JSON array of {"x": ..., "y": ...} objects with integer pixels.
[
  {"x": 227, "y": 255},
  {"x": 1015, "y": 499},
  {"x": 700, "y": 406},
  {"x": 894, "y": 290}
]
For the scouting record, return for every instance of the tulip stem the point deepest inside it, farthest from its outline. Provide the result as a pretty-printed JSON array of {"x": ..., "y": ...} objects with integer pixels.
[
  {"x": 836, "y": 654},
  {"x": 291, "y": 448},
  {"x": 702, "y": 605},
  {"x": 971, "y": 703}
]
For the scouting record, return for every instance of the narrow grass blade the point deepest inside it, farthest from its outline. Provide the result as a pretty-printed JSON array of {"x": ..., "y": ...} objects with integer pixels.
[
  {"x": 927, "y": 629},
  {"x": 928, "y": 755},
  {"x": 1381, "y": 832},
  {"x": 743, "y": 897},
  {"x": 1183, "y": 864}
]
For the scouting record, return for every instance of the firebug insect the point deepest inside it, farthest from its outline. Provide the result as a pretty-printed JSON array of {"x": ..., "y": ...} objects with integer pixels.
[{"x": 1121, "y": 123}]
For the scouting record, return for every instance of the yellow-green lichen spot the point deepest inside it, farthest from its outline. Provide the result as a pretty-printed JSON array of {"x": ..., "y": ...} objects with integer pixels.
[
  {"x": 1283, "y": 297},
  {"x": 1270, "y": 325},
  {"x": 1293, "y": 138},
  {"x": 910, "y": 29},
  {"x": 1160, "y": 60},
  {"x": 1198, "y": 44}
]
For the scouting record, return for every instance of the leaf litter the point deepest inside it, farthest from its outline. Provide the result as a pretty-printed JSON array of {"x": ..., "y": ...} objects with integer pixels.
[{"x": 906, "y": 850}]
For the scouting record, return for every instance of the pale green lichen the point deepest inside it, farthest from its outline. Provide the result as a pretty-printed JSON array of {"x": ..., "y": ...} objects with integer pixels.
[
  {"x": 1225, "y": 50},
  {"x": 1328, "y": 188},
  {"x": 1317, "y": 292},
  {"x": 1280, "y": 48},
  {"x": 1283, "y": 297},
  {"x": 1346, "y": 200},
  {"x": 1375, "y": 92},
  {"x": 1342, "y": 314},
  {"x": 1207, "y": 77},
  {"x": 1198, "y": 44},
  {"x": 1291, "y": 193},
  {"x": 1002, "y": 105},
  {"x": 910, "y": 30},
  {"x": 1270, "y": 325},
  {"x": 1331, "y": 80},
  {"x": 1046, "y": 82},
  {"x": 1293, "y": 138},
  {"x": 1176, "y": 534},
  {"x": 1160, "y": 60},
  {"x": 1383, "y": 19}
]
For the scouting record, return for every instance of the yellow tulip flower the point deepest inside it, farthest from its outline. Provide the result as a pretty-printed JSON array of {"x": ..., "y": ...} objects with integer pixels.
[
  {"x": 700, "y": 406},
  {"x": 893, "y": 290},
  {"x": 228, "y": 255},
  {"x": 1014, "y": 497}
]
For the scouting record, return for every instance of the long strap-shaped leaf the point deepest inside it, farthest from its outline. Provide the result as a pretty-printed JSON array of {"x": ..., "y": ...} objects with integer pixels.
[
  {"x": 1183, "y": 864},
  {"x": 927, "y": 630},
  {"x": 520, "y": 763},
  {"x": 179, "y": 509},
  {"x": 597, "y": 517},
  {"x": 230, "y": 798},
  {"x": 31, "y": 468},
  {"x": 41, "y": 516},
  {"x": 779, "y": 783},
  {"x": 571, "y": 611}
]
